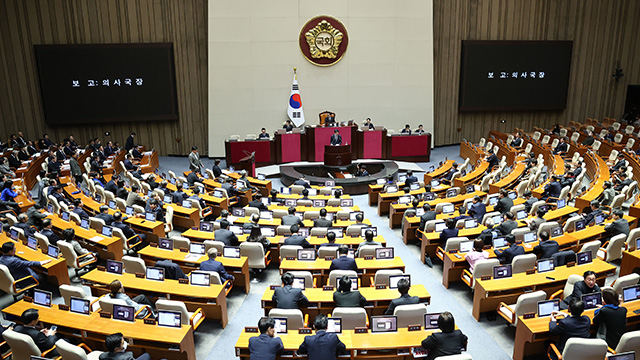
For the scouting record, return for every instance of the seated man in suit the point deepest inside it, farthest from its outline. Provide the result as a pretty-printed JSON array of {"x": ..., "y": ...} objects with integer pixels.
[
  {"x": 573, "y": 325},
  {"x": 506, "y": 256},
  {"x": 428, "y": 215},
  {"x": 178, "y": 196},
  {"x": 508, "y": 224},
  {"x": 404, "y": 299},
  {"x": 255, "y": 219},
  {"x": 538, "y": 220},
  {"x": 47, "y": 231},
  {"x": 225, "y": 235},
  {"x": 619, "y": 163},
  {"x": 172, "y": 270},
  {"x": 343, "y": 262},
  {"x": 287, "y": 297},
  {"x": 552, "y": 189},
  {"x": 22, "y": 223},
  {"x": 322, "y": 345},
  {"x": 547, "y": 247},
  {"x": 406, "y": 130},
  {"x": 196, "y": 196},
  {"x": 77, "y": 208},
  {"x": 330, "y": 120},
  {"x": 192, "y": 178},
  {"x": 368, "y": 237},
  {"x": 156, "y": 209},
  {"x": 477, "y": 208},
  {"x": 263, "y": 134},
  {"x": 104, "y": 215},
  {"x": 336, "y": 138},
  {"x": 331, "y": 240},
  {"x": 19, "y": 268},
  {"x": 288, "y": 126},
  {"x": 617, "y": 227},
  {"x": 126, "y": 230},
  {"x": 505, "y": 203},
  {"x": 487, "y": 234},
  {"x": 296, "y": 239},
  {"x": 117, "y": 346},
  {"x": 530, "y": 200},
  {"x": 265, "y": 346},
  {"x": 448, "y": 341},
  {"x": 322, "y": 221},
  {"x": 291, "y": 218},
  {"x": 216, "y": 169},
  {"x": 449, "y": 175},
  {"x": 302, "y": 182},
  {"x": 368, "y": 124},
  {"x": 517, "y": 140},
  {"x": 410, "y": 178},
  {"x": 594, "y": 211},
  {"x": 492, "y": 159},
  {"x": 589, "y": 140},
  {"x": 419, "y": 130},
  {"x": 562, "y": 147},
  {"x": 133, "y": 198},
  {"x": 256, "y": 203},
  {"x": 449, "y": 232},
  {"x": 608, "y": 193},
  {"x": 621, "y": 181},
  {"x": 44, "y": 339}
]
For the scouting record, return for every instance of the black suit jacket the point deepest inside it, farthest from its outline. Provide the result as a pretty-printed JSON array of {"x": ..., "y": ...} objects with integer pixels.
[
  {"x": 336, "y": 140},
  {"x": 615, "y": 321},
  {"x": 171, "y": 270},
  {"x": 402, "y": 300},
  {"x": 620, "y": 226},
  {"x": 297, "y": 240},
  {"x": 258, "y": 204},
  {"x": 287, "y": 297},
  {"x": 504, "y": 205},
  {"x": 493, "y": 161},
  {"x": 322, "y": 222},
  {"x": 127, "y": 355},
  {"x": 349, "y": 299},
  {"x": 546, "y": 249},
  {"x": 506, "y": 256},
  {"x": 507, "y": 226},
  {"x": 42, "y": 341},
  {"x": 428, "y": 215},
  {"x": 322, "y": 346},
  {"x": 443, "y": 344},
  {"x": 343, "y": 263},
  {"x": 264, "y": 347},
  {"x": 227, "y": 237},
  {"x": 108, "y": 218},
  {"x": 552, "y": 189},
  {"x": 580, "y": 288},
  {"x": 570, "y": 327}
]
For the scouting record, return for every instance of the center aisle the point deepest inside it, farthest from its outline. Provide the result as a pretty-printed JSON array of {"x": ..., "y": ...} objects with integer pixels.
[{"x": 482, "y": 344}]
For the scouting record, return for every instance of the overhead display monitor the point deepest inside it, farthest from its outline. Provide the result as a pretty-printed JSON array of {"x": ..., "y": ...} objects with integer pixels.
[
  {"x": 514, "y": 75},
  {"x": 107, "y": 82}
]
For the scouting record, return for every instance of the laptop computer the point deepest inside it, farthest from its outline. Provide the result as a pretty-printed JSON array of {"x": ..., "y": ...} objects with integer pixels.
[
  {"x": 200, "y": 278},
  {"x": 545, "y": 265},
  {"x": 466, "y": 246},
  {"x": 380, "y": 181},
  {"x": 513, "y": 195},
  {"x": 107, "y": 231},
  {"x": 546, "y": 307},
  {"x": 346, "y": 202},
  {"x": 435, "y": 183},
  {"x": 404, "y": 199},
  {"x": 304, "y": 232},
  {"x": 186, "y": 204},
  {"x": 206, "y": 226},
  {"x": 556, "y": 231},
  {"x": 440, "y": 226},
  {"x": 630, "y": 293},
  {"x": 448, "y": 209},
  {"x": 414, "y": 186},
  {"x": 124, "y": 313},
  {"x": 306, "y": 254},
  {"x": 334, "y": 325},
  {"x": 561, "y": 203},
  {"x": 268, "y": 231},
  {"x": 53, "y": 251},
  {"x": 402, "y": 178},
  {"x": 150, "y": 216},
  {"x": 500, "y": 242},
  {"x": 530, "y": 237},
  {"x": 298, "y": 283},
  {"x": 353, "y": 214},
  {"x": 313, "y": 192},
  {"x": 319, "y": 202},
  {"x": 493, "y": 200},
  {"x": 114, "y": 267},
  {"x": 32, "y": 243},
  {"x": 167, "y": 199},
  {"x": 280, "y": 325},
  {"x": 522, "y": 214},
  {"x": 231, "y": 252},
  {"x": 166, "y": 244},
  {"x": 169, "y": 318},
  {"x": 470, "y": 224},
  {"x": 502, "y": 271},
  {"x": 580, "y": 224},
  {"x": 431, "y": 321},
  {"x": 84, "y": 223},
  {"x": 384, "y": 253},
  {"x": 65, "y": 215},
  {"x": 451, "y": 193},
  {"x": 266, "y": 215},
  {"x": 599, "y": 219},
  {"x": 591, "y": 301},
  {"x": 497, "y": 219},
  {"x": 218, "y": 194},
  {"x": 42, "y": 297},
  {"x": 129, "y": 211},
  {"x": 392, "y": 189},
  {"x": 584, "y": 257},
  {"x": 387, "y": 323},
  {"x": 155, "y": 273},
  {"x": 429, "y": 196},
  {"x": 329, "y": 183},
  {"x": 80, "y": 306},
  {"x": 196, "y": 248},
  {"x": 393, "y": 280},
  {"x": 630, "y": 355},
  {"x": 364, "y": 229}
]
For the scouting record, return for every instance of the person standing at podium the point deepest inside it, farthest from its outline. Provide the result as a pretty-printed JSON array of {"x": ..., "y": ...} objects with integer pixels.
[{"x": 336, "y": 138}]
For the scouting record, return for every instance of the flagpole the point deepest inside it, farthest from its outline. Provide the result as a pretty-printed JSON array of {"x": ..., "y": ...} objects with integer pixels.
[{"x": 295, "y": 74}]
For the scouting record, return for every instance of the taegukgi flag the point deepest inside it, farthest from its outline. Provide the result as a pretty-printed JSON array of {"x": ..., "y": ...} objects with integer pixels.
[{"x": 295, "y": 103}]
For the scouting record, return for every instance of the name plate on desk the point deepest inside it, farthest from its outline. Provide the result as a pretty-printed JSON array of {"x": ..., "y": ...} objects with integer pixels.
[
  {"x": 355, "y": 236},
  {"x": 486, "y": 247},
  {"x": 329, "y": 258},
  {"x": 100, "y": 268},
  {"x": 414, "y": 327},
  {"x": 184, "y": 250},
  {"x": 327, "y": 288},
  {"x": 63, "y": 307},
  {"x": 381, "y": 287},
  {"x": 105, "y": 314},
  {"x": 154, "y": 245},
  {"x": 290, "y": 258},
  {"x": 183, "y": 281},
  {"x": 529, "y": 315},
  {"x": 305, "y": 331},
  {"x": 360, "y": 330},
  {"x": 251, "y": 329},
  {"x": 368, "y": 257},
  {"x": 149, "y": 321},
  {"x": 28, "y": 299},
  {"x": 273, "y": 287},
  {"x": 486, "y": 277},
  {"x": 531, "y": 271},
  {"x": 570, "y": 264},
  {"x": 140, "y": 275},
  {"x": 453, "y": 251}
]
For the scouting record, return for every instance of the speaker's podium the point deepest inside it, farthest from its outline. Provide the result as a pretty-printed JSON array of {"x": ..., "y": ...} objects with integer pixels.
[
  {"x": 248, "y": 163},
  {"x": 339, "y": 155}
]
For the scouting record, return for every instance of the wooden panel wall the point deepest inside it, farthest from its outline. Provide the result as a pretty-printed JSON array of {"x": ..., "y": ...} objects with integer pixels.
[
  {"x": 24, "y": 23},
  {"x": 603, "y": 33}
]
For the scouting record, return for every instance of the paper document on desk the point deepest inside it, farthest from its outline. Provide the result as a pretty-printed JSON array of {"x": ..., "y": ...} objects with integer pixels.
[
  {"x": 347, "y": 176},
  {"x": 231, "y": 219},
  {"x": 97, "y": 238},
  {"x": 419, "y": 352},
  {"x": 192, "y": 257}
]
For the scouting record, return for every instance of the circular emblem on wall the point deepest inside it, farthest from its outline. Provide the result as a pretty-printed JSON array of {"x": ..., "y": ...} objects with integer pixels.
[{"x": 323, "y": 40}]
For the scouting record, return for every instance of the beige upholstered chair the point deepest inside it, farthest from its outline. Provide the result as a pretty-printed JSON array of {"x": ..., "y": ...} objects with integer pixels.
[
  {"x": 352, "y": 317},
  {"x": 193, "y": 319},
  {"x": 22, "y": 345},
  {"x": 73, "y": 352}
]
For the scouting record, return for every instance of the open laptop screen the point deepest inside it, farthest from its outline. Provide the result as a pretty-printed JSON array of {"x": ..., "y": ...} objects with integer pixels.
[
  {"x": 545, "y": 265},
  {"x": 200, "y": 278},
  {"x": 114, "y": 267},
  {"x": 42, "y": 297},
  {"x": 306, "y": 254},
  {"x": 546, "y": 307},
  {"x": 393, "y": 280},
  {"x": 166, "y": 244},
  {"x": 592, "y": 300},
  {"x": 502, "y": 271},
  {"x": 124, "y": 313},
  {"x": 169, "y": 318},
  {"x": 583, "y": 257},
  {"x": 631, "y": 293},
  {"x": 334, "y": 325},
  {"x": 431, "y": 321},
  {"x": 155, "y": 273},
  {"x": 384, "y": 253},
  {"x": 231, "y": 252},
  {"x": 384, "y": 324},
  {"x": 79, "y": 306}
]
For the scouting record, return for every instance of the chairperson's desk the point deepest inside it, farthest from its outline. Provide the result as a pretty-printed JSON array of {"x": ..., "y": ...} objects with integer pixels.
[
  {"x": 532, "y": 334},
  {"x": 159, "y": 341},
  {"x": 239, "y": 268},
  {"x": 489, "y": 293},
  {"x": 211, "y": 299},
  {"x": 319, "y": 268},
  {"x": 56, "y": 268},
  {"x": 321, "y": 301},
  {"x": 359, "y": 346}
]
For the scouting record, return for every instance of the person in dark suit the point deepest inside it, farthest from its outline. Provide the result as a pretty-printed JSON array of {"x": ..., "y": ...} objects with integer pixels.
[
  {"x": 225, "y": 235},
  {"x": 288, "y": 126},
  {"x": 126, "y": 230},
  {"x": 406, "y": 130},
  {"x": 112, "y": 185},
  {"x": 586, "y": 286},
  {"x": 255, "y": 219},
  {"x": 35, "y": 217},
  {"x": 116, "y": 349},
  {"x": 193, "y": 178},
  {"x": 477, "y": 209},
  {"x": 576, "y": 325},
  {"x": 345, "y": 297},
  {"x": 171, "y": 270},
  {"x": 622, "y": 182},
  {"x": 296, "y": 239},
  {"x": 505, "y": 203},
  {"x": 330, "y": 120},
  {"x": 129, "y": 144},
  {"x": 552, "y": 189},
  {"x": 336, "y": 138},
  {"x": 368, "y": 240},
  {"x": 343, "y": 262},
  {"x": 410, "y": 178},
  {"x": 419, "y": 130},
  {"x": 428, "y": 215},
  {"x": 44, "y": 339},
  {"x": 256, "y": 203},
  {"x": 528, "y": 204},
  {"x": 449, "y": 174},
  {"x": 487, "y": 234},
  {"x": 595, "y": 211},
  {"x": 17, "y": 267},
  {"x": 47, "y": 230},
  {"x": 286, "y": 297},
  {"x": 104, "y": 215},
  {"x": 155, "y": 208},
  {"x": 322, "y": 345},
  {"x": 291, "y": 218},
  {"x": 265, "y": 346},
  {"x": 322, "y": 221},
  {"x": 506, "y": 256},
  {"x": 447, "y": 342},
  {"x": 77, "y": 208},
  {"x": 517, "y": 140},
  {"x": 216, "y": 169},
  {"x": 404, "y": 299},
  {"x": 547, "y": 247},
  {"x": 213, "y": 265},
  {"x": 589, "y": 140},
  {"x": 562, "y": 147},
  {"x": 619, "y": 163},
  {"x": 508, "y": 224},
  {"x": 449, "y": 232},
  {"x": 302, "y": 182},
  {"x": 331, "y": 240},
  {"x": 611, "y": 318},
  {"x": 368, "y": 124},
  {"x": 263, "y": 134},
  {"x": 492, "y": 159},
  {"x": 618, "y": 226},
  {"x": 23, "y": 223}
]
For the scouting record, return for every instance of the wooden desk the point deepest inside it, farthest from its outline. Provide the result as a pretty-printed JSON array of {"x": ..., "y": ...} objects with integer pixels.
[
  {"x": 508, "y": 181},
  {"x": 599, "y": 174},
  {"x": 320, "y": 268},
  {"x": 396, "y": 211},
  {"x": 264, "y": 186},
  {"x": 212, "y": 299},
  {"x": 440, "y": 171},
  {"x": 385, "y": 199},
  {"x": 153, "y": 229},
  {"x": 321, "y": 301},
  {"x": 184, "y": 217},
  {"x": 472, "y": 177},
  {"x": 239, "y": 268},
  {"x": 375, "y": 190},
  {"x": 107, "y": 247},
  {"x": 154, "y": 339},
  {"x": 630, "y": 261},
  {"x": 532, "y": 334},
  {"x": 56, "y": 270},
  {"x": 489, "y": 293},
  {"x": 350, "y": 241}
]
